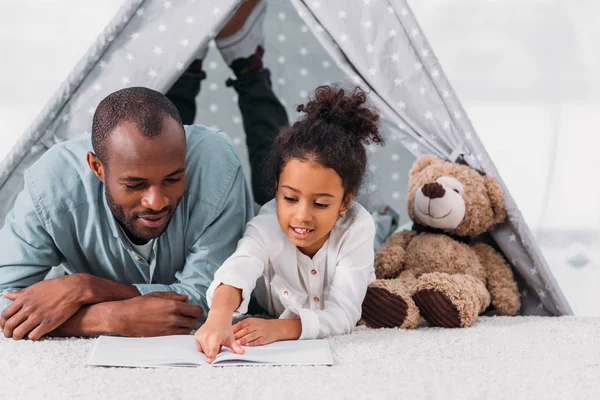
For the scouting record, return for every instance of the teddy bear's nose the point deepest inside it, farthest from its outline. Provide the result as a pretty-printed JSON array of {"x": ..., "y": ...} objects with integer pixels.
[{"x": 433, "y": 190}]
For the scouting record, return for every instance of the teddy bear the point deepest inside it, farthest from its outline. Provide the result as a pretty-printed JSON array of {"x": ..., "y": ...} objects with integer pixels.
[{"x": 439, "y": 270}]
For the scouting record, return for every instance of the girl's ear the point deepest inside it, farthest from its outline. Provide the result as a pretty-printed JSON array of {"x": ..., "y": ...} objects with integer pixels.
[{"x": 346, "y": 203}]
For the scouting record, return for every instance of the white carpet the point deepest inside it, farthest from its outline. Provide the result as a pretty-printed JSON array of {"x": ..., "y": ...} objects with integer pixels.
[{"x": 522, "y": 357}]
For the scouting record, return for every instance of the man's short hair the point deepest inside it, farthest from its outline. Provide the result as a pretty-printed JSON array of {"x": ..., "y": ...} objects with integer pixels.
[{"x": 144, "y": 107}]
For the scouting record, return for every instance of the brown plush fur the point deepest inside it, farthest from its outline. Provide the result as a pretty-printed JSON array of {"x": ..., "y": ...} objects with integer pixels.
[{"x": 446, "y": 276}]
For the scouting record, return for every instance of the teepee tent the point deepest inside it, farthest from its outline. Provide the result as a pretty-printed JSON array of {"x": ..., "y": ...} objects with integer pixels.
[{"x": 377, "y": 45}]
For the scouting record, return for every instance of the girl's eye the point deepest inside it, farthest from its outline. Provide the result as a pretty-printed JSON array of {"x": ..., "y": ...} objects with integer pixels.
[
  {"x": 321, "y": 205},
  {"x": 289, "y": 199}
]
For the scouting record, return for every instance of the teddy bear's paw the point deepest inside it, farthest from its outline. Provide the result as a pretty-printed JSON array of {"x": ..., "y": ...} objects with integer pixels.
[
  {"x": 382, "y": 308},
  {"x": 437, "y": 308}
]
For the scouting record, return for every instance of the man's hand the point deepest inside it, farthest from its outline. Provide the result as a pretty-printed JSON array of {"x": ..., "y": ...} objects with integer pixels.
[
  {"x": 42, "y": 307},
  {"x": 258, "y": 332},
  {"x": 155, "y": 314},
  {"x": 215, "y": 333}
]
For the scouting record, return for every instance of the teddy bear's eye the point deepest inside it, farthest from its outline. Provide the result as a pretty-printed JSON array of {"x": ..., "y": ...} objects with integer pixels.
[{"x": 456, "y": 190}]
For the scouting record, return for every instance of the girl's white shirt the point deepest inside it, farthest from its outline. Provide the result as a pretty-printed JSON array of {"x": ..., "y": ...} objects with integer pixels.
[{"x": 325, "y": 292}]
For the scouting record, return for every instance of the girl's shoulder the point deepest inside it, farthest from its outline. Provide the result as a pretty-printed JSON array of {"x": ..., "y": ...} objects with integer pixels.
[{"x": 356, "y": 218}]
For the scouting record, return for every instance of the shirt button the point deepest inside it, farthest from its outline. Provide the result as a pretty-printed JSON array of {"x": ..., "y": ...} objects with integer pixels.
[
  {"x": 316, "y": 299},
  {"x": 285, "y": 293},
  {"x": 138, "y": 258},
  {"x": 314, "y": 272}
]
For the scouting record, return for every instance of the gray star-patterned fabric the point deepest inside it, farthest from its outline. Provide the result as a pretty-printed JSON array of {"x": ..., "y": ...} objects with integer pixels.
[{"x": 375, "y": 44}]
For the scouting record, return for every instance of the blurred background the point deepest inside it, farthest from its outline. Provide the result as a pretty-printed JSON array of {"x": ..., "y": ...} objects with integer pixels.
[{"x": 526, "y": 71}]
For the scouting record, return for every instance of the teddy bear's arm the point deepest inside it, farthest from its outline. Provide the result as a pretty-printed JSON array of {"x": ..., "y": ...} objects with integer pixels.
[
  {"x": 389, "y": 260},
  {"x": 500, "y": 280}
]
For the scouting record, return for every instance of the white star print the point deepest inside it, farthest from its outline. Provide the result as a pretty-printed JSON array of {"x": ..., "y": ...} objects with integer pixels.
[
  {"x": 404, "y": 12},
  {"x": 395, "y": 176},
  {"x": 167, "y": 5},
  {"x": 140, "y": 12},
  {"x": 356, "y": 79},
  {"x": 398, "y": 82},
  {"x": 184, "y": 42},
  {"x": 130, "y": 57},
  {"x": 303, "y": 51},
  {"x": 372, "y": 71},
  {"x": 542, "y": 294},
  {"x": 281, "y": 37},
  {"x": 213, "y": 86},
  {"x": 414, "y": 147},
  {"x": 303, "y": 71},
  {"x": 216, "y": 11},
  {"x": 415, "y": 32},
  {"x": 446, "y": 125},
  {"x": 281, "y": 16},
  {"x": 445, "y": 93},
  {"x": 179, "y": 66},
  {"x": 304, "y": 28},
  {"x": 457, "y": 115},
  {"x": 65, "y": 117},
  {"x": 395, "y": 57},
  {"x": 422, "y": 90},
  {"x": 366, "y": 2},
  {"x": 91, "y": 110},
  {"x": 97, "y": 87},
  {"x": 390, "y": 10},
  {"x": 189, "y": 19},
  {"x": 326, "y": 64},
  {"x": 213, "y": 65},
  {"x": 393, "y": 33},
  {"x": 368, "y": 24},
  {"x": 395, "y": 157},
  {"x": 135, "y": 35},
  {"x": 213, "y": 108},
  {"x": 343, "y": 38},
  {"x": 512, "y": 238},
  {"x": 153, "y": 73},
  {"x": 236, "y": 120},
  {"x": 342, "y": 14},
  {"x": 237, "y": 141},
  {"x": 435, "y": 73},
  {"x": 281, "y": 81},
  {"x": 370, "y": 48},
  {"x": 401, "y": 105},
  {"x": 125, "y": 80},
  {"x": 103, "y": 64},
  {"x": 468, "y": 136},
  {"x": 319, "y": 29},
  {"x": 429, "y": 115},
  {"x": 396, "y": 195},
  {"x": 418, "y": 66},
  {"x": 281, "y": 59},
  {"x": 316, "y": 4},
  {"x": 425, "y": 53},
  {"x": 162, "y": 28},
  {"x": 372, "y": 167},
  {"x": 157, "y": 50},
  {"x": 303, "y": 94}
]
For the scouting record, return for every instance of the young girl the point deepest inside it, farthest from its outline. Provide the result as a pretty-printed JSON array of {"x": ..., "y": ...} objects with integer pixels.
[{"x": 308, "y": 255}]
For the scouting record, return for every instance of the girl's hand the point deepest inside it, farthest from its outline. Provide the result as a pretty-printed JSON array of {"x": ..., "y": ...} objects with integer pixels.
[
  {"x": 216, "y": 332},
  {"x": 258, "y": 332}
]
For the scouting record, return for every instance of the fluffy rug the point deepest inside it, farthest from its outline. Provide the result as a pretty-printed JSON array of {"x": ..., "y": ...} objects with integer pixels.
[{"x": 499, "y": 357}]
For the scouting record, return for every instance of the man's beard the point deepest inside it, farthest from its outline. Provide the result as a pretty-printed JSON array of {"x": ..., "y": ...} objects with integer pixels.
[{"x": 128, "y": 225}]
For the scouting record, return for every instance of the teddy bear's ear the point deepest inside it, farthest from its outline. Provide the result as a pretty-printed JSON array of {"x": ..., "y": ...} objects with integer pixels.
[
  {"x": 421, "y": 163},
  {"x": 496, "y": 198}
]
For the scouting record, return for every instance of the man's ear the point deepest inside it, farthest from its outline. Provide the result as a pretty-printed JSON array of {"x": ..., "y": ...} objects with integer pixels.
[{"x": 96, "y": 165}]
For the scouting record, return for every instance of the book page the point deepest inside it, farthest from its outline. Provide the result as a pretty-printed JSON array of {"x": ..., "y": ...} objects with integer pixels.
[
  {"x": 293, "y": 352},
  {"x": 163, "y": 351}
]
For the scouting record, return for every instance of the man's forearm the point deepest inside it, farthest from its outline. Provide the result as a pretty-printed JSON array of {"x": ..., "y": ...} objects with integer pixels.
[
  {"x": 99, "y": 290},
  {"x": 92, "y": 320}
]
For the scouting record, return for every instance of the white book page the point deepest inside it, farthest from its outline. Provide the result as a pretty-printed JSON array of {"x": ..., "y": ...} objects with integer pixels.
[
  {"x": 162, "y": 351},
  {"x": 293, "y": 352}
]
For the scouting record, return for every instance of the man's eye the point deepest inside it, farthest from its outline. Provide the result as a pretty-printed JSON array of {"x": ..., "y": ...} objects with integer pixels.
[
  {"x": 134, "y": 187},
  {"x": 289, "y": 199},
  {"x": 173, "y": 180},
  {"x": 321, "y": 205}
]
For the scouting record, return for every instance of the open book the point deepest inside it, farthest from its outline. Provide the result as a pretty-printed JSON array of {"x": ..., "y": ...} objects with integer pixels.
[{"x": 181, "y": 351}]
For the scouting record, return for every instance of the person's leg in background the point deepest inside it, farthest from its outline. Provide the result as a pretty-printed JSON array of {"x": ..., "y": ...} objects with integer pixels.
[
  {"x": 184, "y": 91},
  {"x": 241, "y": 43}
]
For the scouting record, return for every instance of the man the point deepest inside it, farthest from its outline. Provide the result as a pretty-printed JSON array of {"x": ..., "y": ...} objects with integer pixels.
[
  {"x": 241, "y": 43},
  {"x": 140, "y": 224}
]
